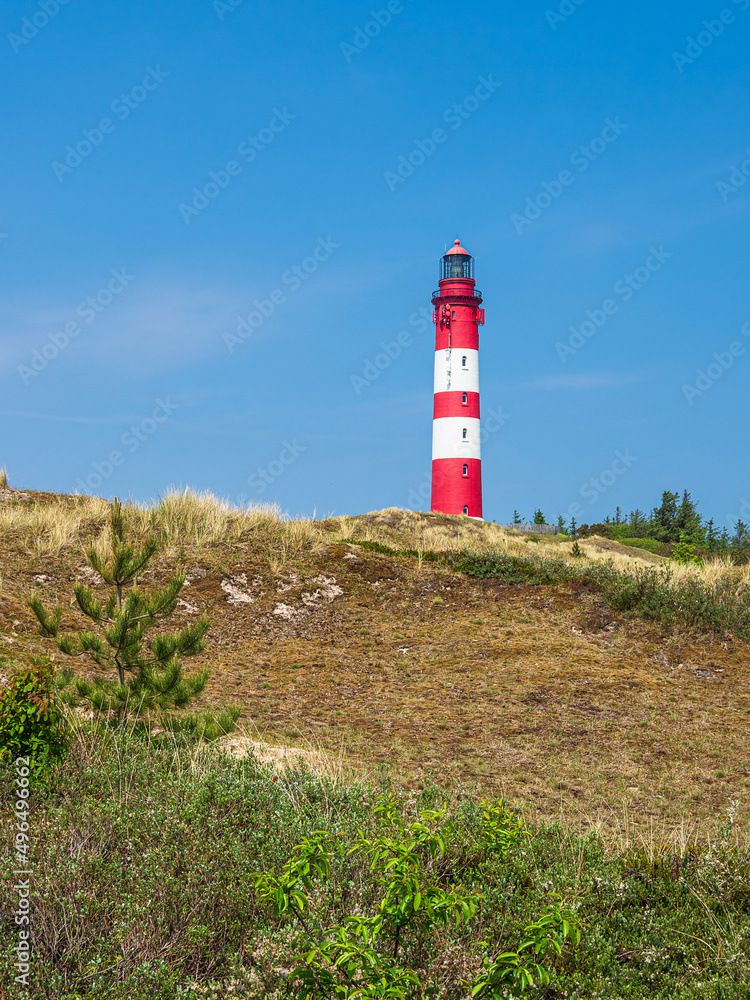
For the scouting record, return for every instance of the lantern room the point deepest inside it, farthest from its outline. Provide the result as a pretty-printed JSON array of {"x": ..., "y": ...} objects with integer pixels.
[{"x": 457, "y": 263}]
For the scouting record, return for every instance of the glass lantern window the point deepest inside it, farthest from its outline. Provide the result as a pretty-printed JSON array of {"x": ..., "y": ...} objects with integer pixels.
[{"x": 457, "y": 265}]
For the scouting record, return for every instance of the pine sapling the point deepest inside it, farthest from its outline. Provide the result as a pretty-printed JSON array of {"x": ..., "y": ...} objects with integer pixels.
[{"x": 148, "y": 672}]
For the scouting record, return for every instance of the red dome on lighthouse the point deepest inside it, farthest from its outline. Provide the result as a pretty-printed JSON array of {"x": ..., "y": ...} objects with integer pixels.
[{"x": 457, "y": 248}]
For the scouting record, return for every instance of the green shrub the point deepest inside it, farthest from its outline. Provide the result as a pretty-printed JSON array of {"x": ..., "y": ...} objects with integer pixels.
[
  {"x": 201, "y": 726},
  {"x": 683, "y": 552},
  {"x": 505, "y": 567},
  {"x": 603, "y": 530},
  {"x": 377, "y": 547},
  {"x": 31, "y": 723},
  {"x": 649, "y": 592},
  {"x": 368, "y": 957},
  {"x": 385, "y": 550},
  {"x": 649, "y": 544},
  {"x": 714, "y": 607}
]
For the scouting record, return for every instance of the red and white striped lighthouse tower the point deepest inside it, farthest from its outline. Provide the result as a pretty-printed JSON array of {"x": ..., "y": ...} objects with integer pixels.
[{"x": 456, "y": 456}]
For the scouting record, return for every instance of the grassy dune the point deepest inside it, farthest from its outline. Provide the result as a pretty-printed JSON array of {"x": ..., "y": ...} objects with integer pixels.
[
  {"x": 436, "y": 659},
  {"x": 544, "y": 692}
]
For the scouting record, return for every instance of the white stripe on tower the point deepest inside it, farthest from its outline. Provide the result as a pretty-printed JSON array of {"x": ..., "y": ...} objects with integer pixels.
[
  {"x": 456, "y": 370},
  {"x": 456, "y": 437}
]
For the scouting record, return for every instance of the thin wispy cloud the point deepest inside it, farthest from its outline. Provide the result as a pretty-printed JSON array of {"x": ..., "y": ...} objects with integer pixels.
[
  {"x": 115, "y": 420},
  {"x": 149, "y": 327},
  {"x": 154, "y": 325},
  {"x": 590, "y": 380}
]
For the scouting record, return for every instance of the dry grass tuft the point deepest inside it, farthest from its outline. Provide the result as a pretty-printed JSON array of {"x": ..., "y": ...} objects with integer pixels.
[
  {"x": 3, "y": 478},
  {"x": 180, "y": 518},
  {"x": 624, "y": 831},
  {"x": 185, "y": 517},
  {"x": 48, "y": 529},
  {"x": 712, "y": 572}
]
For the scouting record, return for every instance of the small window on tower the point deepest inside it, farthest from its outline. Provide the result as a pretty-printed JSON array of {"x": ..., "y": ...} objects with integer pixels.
[
  {"x": 465, "y": 433},
  {"x": 465, "y": 399},
  {"x": 463, "y": 361},
  {"x": 466, "y": 470},
  {"x": 454, "y": 313},
  {"x": 466, "y": 509}
]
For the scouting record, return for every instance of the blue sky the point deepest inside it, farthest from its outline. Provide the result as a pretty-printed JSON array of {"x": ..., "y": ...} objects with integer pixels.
[{"x": 183, "y": 164}]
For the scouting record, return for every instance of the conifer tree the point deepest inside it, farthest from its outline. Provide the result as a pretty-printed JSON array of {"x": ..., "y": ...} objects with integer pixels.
[
  {"x": 741, "y": 541},
  {"x": 689, "y": 521},
  {"x": 148, "y": 673},
  {"x": 711, "y": 536},
  {"x": 665, "y": 518},
  {"x": 517, "y": 518},
  {"x": 638, "y": 523},
  {"x": 539, "y": 517}
]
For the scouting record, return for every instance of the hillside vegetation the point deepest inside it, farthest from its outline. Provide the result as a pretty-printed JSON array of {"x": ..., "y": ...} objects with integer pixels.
[
  {"x": 385, "y": 665},
  {"x": 146, "y": 862},
  {"x": 610, "y": 689}
]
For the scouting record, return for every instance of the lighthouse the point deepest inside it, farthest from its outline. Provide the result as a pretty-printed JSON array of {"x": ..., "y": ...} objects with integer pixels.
[{"x": 456, "y": 456}]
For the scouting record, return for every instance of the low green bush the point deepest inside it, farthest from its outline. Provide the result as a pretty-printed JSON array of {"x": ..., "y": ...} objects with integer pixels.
[
  {"x": 531, "y": 569},
  {"x": 196, "y": 727},
  {"x": 652, "y": 594},
  {"x": 603, "y": 530},
  {"x": 147, "y": 860},
  {"x": 649, "y": 592},
  {"x": 385, "y": 550},
  {"x": 685, "y": 553},
  {"x": 377, "y": 547},
  {"x": 649, "y": 544},
  {"x": 369, "y": 956},
  {"x": 31, "y": 723},
  {"x": 620, "y": 531},
  {"x": 508, "y": 568}
]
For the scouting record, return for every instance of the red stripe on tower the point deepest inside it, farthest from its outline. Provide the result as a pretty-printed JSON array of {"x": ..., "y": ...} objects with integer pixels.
[
  {"x": 456, "y": 454},
  {"x": 456, "y": 404}
]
